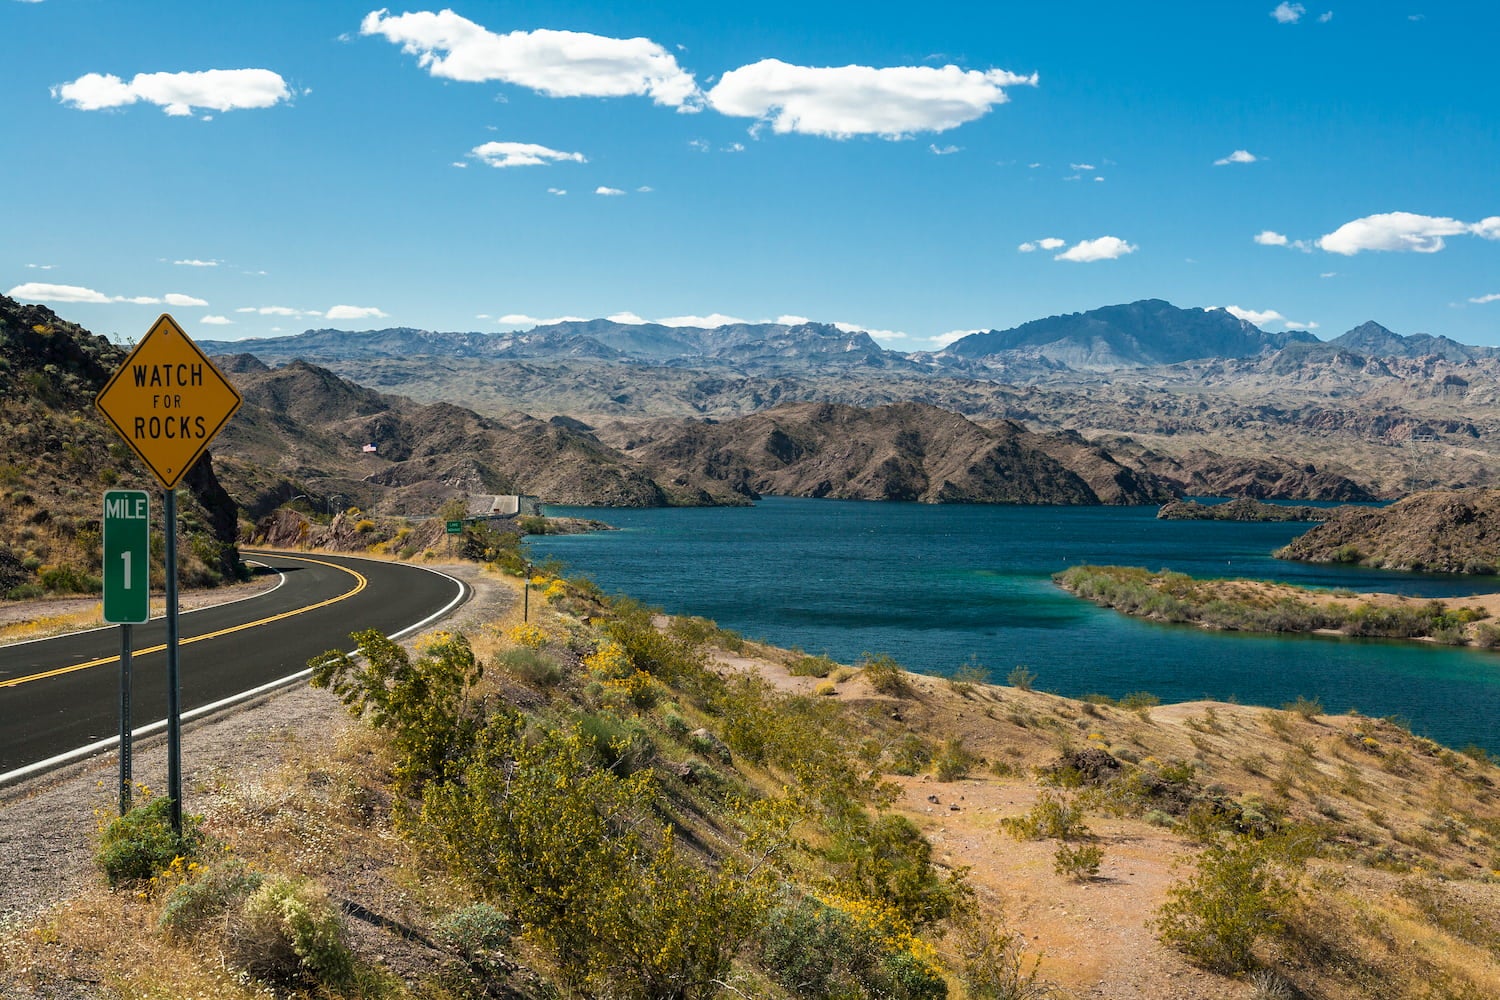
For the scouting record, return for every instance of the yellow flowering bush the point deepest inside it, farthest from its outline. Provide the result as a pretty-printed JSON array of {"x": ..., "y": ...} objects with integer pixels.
[
  {"x": 608, "y": 661},
  {"x": 528, "y": 635}
]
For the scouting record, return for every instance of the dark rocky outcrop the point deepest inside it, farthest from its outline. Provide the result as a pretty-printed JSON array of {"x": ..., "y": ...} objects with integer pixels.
[{"x": 1436, "y": 532}]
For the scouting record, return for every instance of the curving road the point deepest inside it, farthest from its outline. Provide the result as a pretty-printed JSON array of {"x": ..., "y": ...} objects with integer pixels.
[{"x": 58, "y": 696}]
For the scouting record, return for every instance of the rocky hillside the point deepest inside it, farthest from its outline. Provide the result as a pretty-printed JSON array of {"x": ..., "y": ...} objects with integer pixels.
[
  {"x": 904, "y": 451},
  {"x": 310, "y": 428},
  {"x": 57, "y": 456},
  {"x": 1435, "y": 532}
]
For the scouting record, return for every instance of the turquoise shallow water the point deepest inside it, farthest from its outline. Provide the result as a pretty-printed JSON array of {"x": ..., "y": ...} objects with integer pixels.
[{"x": 938, "y": 586}]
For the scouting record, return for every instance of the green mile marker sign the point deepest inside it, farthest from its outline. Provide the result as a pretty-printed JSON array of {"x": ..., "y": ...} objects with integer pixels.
[{"x": 127, "y": 557}]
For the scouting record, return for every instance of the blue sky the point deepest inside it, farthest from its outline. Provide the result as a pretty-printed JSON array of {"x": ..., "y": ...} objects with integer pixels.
[{"x": 917, "y": 170}]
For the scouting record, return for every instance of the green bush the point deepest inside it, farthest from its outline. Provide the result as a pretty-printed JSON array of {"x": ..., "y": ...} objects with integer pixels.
[
  {"x": 477, "y": 932},
  {"x": 819, "y": 952},
  {"x": 811, "y": 666},
  {"x": 953, "y": 760},
  {"x": 533, "y": 666},
  {"x": 1080, "y": 863},
  {"x": 141, "y": 844},
  {"x": 219, "y": 889},
  {"x": 427, "y": 705},
  {"x": 70, "y": 580},
  {"x": 289, "y": 932},
  {"x": 1237, "y": 895},
  {"x": 1021, "y": 678},
  {"x": 885, "y": 675},
  {"x": 1052, "y": 816}
]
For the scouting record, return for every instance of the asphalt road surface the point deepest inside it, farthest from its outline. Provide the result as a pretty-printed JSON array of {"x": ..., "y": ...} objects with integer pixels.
[{"x": 61, "y": 694}]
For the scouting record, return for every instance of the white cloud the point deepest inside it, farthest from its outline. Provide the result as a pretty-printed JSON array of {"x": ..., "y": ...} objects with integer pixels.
[
  {"x": 876, "y": 334},
  {"x": 216, "y": 321},
  {"x": 1329, "y": 274},
  {"x": 554, "y": 63},
  {"x": 644, "y": 189},
  {"x": 557, "y": 191},
  {"x": 1082, "y": 167},
  {"x": 1260, "y": 317},
  {"x": 1103, "y": 248},
  {"x": 608, "y": 192},
  {"x": 1238, "y": 156},
  {"x": 270, "y": 310},
  {"x": 700, "y": 145},
  {"x": 1325, "y": 17},
  {"x": 944, "y": 339},
  {"x": 196, "y": 263},
  {"x": 1294, "y": 325},
  {"x": 1485, "y": 299},
  {"x": 1271, "y": 239},
  {"x": 42, "y": 267},
  {"x": 37, "y": 291},
  {"x": 522, "y": 154},
  {"x": 627, "y": 317},
  {"x": 843, "y": 101},
  {"x": 354, "y": 312},
  {"x": 177, "y": 93},
  {"x": 1050, "y": 243},
  {"x": 1403, "y": 231},
  {"x": 1288, "y": 13},
  {"x": 944, "y": 150},
  {"x": 792, "y": 320},
  {"x": 709, "y": 322},
  {"x": 460, "y": 164},
  {"x": 138, "y": 300},
  {"x": 178, "y": 299}
]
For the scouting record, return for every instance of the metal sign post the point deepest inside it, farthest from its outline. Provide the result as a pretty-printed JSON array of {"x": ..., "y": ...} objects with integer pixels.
[
  {"x": 127, "y": 595},
  {"x": 168, "y": 401}
]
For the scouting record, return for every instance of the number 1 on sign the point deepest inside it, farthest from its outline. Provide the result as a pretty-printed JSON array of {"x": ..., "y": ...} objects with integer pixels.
[{"x": 125, "y": 558}]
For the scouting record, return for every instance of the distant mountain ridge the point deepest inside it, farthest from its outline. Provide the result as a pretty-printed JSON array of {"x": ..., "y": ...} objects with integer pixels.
[
  {"x": 1138, "y": 334},
  {"x": 1147, "y": 333}
]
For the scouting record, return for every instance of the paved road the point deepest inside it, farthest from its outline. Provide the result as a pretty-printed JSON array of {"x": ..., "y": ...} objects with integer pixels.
[{"x": 57, "y": 695}]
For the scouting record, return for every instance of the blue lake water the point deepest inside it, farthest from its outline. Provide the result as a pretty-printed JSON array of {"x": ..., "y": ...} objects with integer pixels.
[{"x": 939, "y": 586}]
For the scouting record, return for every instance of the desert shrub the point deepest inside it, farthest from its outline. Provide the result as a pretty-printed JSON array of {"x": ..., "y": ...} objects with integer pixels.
[
  {"x": 953, "y": 760},
  {"x": 620, "y": 745},
  {"x": 822, "y": 952},
  {"x": 993, "y": 965},
  {"x": 1237, "y": 895},
  {"x": 887, "y": 860},
  {"x": 536, "y": 821},
  {"x": 811, "y": 666},
  {"x": 427, "y": 704},
  {"x": 142, "y": 844},
  {"x": 826, "y": 689},
  {"x": 527, "y": 635},
  {"x": 531, "y": 665},
  {"x": 477, "y": 932},
  {"x": 673, "y": 656},
  {"x": 1080, "y": 862},
  {"x": 1021, "y": 678},
  {"x": 885, "y": 675},
  {"x": 1486, "y": 635},
  {"x": 967, "y": 676},
  {"x": 1308, "y": 708},
  {"x": 219, "y": 889},
  {"x": 1137, "y": 700},
  {"x": 288, "y": 931},
  {"x": 908, "y": 755},
  {"x": 69, "y": 580},
  {"x": 1051, "y": 816}
]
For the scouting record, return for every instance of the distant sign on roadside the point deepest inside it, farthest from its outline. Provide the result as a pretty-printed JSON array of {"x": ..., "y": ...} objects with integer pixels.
[{"x": 455, "y": 527}]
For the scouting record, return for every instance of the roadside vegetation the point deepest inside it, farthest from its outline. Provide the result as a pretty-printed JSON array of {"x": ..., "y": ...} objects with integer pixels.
[
  {"x": 1252, "y": 606},
  {"x": 601, "y": 802}
]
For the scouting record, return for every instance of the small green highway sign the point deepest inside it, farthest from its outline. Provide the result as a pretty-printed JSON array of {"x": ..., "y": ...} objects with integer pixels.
[
  {"x": 127, "y": 557},
  {"x": 455, "y": 527}
]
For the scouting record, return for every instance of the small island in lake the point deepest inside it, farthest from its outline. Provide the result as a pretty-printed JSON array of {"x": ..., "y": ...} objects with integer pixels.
[
  {"x": 1260, "y": 606},
  {"x": 1241, "y": 509}
]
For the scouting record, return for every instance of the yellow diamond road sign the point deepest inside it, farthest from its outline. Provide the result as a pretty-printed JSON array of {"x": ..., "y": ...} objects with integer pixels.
[{"x": 168, "y": 401}]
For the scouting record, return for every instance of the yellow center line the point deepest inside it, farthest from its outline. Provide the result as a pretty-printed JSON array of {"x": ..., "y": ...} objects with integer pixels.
[{"x": 360, "y": 585}]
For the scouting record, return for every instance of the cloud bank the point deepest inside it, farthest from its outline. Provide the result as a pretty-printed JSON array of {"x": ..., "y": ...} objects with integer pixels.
[{"x": 177, "y": 93}]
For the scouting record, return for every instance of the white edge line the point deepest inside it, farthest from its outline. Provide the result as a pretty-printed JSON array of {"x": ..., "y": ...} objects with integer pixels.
[
  {"x": 110, "y": 742},
  {"x": 280, "y": 579}
]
